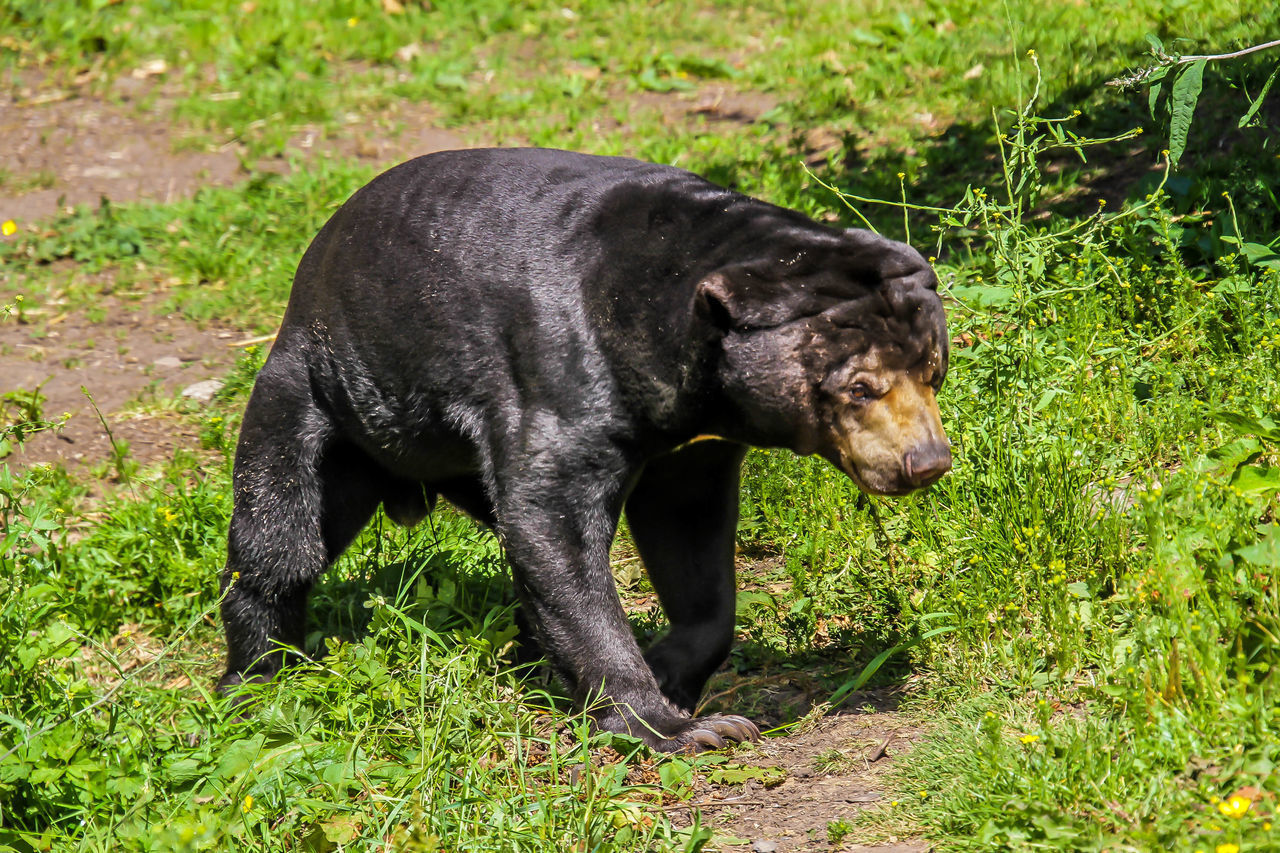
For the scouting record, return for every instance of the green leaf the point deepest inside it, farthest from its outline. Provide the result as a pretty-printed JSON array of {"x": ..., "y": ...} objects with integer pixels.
[
  {"x": 1153, "y": 97},
  {"x": 676, "y": 776},
  {"x": 339, "y": 775},
  {"x": 749, "y": 598},
  {"x": 1264, "y": 428},
  {"x": 1045, "y": 399},
  {"x": 738, "y": 774},
  {"x": 1257, "y": 102},
  {"x": 342, "y": 829},
  {"x": 184, "y": 769},
  {"x": 1257, "y": 480},
  {"x": 45, "y": 775},
  {"x": 701, "y": 66},
  {"x": 450, "y": 81},
  {"x": 982, "y": 295},
  {"x": 650, "y": 81},
  {"x": 1261, "y": 256},
  {"x": 1233, "y": 284},
  {"x": 1230, "y": 455},
  {"x": 1265, "y": 552},
  {"x": 238, "y": 757},
  {"x": 1182, "y": 105}
]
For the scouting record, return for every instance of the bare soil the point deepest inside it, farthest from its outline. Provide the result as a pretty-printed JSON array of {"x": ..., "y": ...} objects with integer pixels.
[
  {"x": 831, "y": 772},
  {"x": 129, "y": 356},
  {"x": 65, "y": 147}
]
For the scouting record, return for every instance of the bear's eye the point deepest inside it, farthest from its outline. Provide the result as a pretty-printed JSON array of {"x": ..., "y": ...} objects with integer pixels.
[{"x": 862, "y": 392}]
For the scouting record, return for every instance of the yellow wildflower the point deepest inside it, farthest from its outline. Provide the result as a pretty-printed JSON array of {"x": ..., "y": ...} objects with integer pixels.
[
  {"x": 9, "y": 228},
  {"x": 1227, "y": 848},
  {"x": 1235, "y": 806},
  {"x": 1029, "y": 738}
]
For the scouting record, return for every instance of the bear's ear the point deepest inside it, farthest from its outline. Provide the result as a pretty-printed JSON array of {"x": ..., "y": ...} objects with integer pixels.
[
  {"x": 737, "y": 300},
  {"x": 713, "y": 300}
]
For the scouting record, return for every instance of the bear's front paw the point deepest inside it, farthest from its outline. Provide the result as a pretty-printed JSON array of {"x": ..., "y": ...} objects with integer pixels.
[
  {"x": 667, "y": 729},
  {"x": 702, "y": 733}
]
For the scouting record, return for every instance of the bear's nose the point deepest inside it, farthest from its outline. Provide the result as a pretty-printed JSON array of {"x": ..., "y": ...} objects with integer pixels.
[{"x": 926, "y": 464}]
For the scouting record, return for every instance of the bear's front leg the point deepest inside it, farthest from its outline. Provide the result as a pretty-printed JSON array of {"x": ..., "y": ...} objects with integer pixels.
[{"x": 556, "y": 519}]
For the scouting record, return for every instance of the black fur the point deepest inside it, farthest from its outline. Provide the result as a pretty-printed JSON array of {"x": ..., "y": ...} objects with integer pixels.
[{"x": 537, "y": 336}]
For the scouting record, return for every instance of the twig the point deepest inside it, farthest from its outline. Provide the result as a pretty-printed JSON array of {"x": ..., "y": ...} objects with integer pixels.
[
  {"x": 880, "y": 750},
  {"x": 1211, "y": 57},
  {"x": 717, "y": 803},
  {"x": 1169, "y": 61},
  {"x": 756, "y": 681},
  {"x": 261, "y": 339}
]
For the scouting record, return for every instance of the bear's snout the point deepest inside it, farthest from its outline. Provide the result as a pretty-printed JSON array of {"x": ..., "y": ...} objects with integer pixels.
[
  {"x": 925, "y": 465},
  {"x": 893, "y": 445}
]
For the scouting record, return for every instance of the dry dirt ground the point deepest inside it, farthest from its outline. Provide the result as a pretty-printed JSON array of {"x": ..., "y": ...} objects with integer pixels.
[
  {"x": 830, "y": 772},
  {"x": 64, "y": 147},
  {"x": 127, "y": 357}
]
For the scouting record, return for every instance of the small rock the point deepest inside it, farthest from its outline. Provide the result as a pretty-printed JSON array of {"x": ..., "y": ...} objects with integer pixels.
[
  {"x": 109, "y": 172},
  {"x": 762, "y": 846},
  {"x": 168, "y": 362},
  {"x": 202, "y": 392}
]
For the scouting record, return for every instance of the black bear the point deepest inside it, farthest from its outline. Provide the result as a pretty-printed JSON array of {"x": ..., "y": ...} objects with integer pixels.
[{"x": 548, "y": 339}]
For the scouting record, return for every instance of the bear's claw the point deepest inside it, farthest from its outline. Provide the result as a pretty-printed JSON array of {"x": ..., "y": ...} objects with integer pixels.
[{"x": 712, "y": 733}]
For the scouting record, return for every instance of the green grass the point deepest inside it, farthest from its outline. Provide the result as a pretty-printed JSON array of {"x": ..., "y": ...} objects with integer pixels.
[{"x": 1087, "y": 604}]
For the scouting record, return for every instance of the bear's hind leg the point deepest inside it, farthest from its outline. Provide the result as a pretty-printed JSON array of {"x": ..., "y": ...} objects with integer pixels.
[{"x": 301, "y": 495}]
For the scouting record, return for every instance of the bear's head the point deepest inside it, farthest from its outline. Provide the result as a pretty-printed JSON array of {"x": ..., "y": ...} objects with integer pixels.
[{"x": 837, "y": 348}]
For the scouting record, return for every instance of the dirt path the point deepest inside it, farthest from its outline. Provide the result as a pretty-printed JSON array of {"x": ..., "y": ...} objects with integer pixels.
[
  {"x": 129, "y": 356},
  {"x": 65, "y": 147},
  {"x": 829, "y": 774}
]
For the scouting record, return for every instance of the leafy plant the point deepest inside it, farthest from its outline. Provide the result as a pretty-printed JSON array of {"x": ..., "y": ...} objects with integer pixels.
[{"x": 1186, "y": 74}]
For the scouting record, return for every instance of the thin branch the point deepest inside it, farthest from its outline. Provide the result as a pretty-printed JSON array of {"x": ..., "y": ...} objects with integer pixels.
[
  {"x": 1257, "y": 47},
  {"x": 715, "y": 804},
  {"x": 1168, "y": 61}
]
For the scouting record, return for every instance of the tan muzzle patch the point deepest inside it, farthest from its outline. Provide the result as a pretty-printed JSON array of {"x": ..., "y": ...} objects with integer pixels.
[{"x": 895, "y": 444}]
